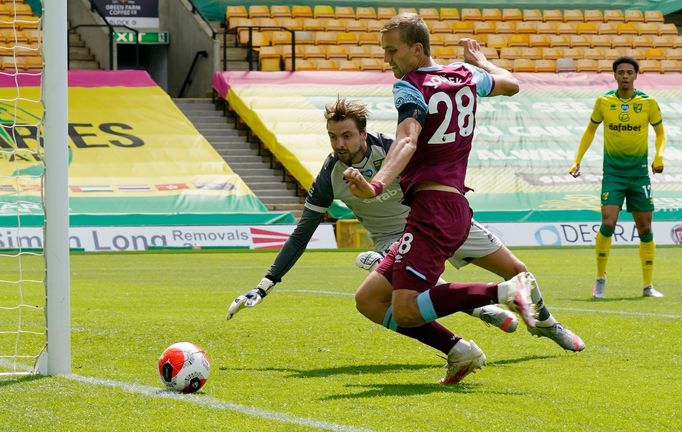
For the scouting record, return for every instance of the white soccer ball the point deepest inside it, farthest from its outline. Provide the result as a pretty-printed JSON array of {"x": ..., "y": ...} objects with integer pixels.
[{"x": 184, "y": 367}]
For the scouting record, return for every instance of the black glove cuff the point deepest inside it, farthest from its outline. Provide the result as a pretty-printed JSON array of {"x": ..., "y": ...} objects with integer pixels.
[{"x": 261, "y": 292}]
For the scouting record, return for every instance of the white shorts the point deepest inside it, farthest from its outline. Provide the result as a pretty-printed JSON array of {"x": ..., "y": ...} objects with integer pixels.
[{"x": 478, "y": 244}]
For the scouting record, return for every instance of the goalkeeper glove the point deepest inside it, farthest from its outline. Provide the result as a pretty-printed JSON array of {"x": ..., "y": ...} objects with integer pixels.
[{"x": 251, "y": 298}]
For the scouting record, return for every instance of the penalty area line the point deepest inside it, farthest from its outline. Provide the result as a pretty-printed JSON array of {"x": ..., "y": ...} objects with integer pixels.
[
  {"x": 550, "y": 307},
  {"x": 213, "y": 403}
]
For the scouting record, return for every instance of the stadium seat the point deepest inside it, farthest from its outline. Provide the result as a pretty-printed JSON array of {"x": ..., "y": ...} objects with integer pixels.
[
  {"x": 429, "y": 13},
  {"x": 649, "y": 66},
  {"x": 449, "y": 14},
  {"x": 353, "y": 25},
  {"x": 528, "y": 27},
  {"x": 375, "y": 51},
  {"x": 538, "y": 40},
  {"x": 290, "y": 23},
  {"x": 33, "y": 62},
  {"x": 365, "y": 13},
  {"x": 259, "y": 38},
  {"x": 490, "y": 53},
  {"x": 664, "y": 41},
  {"x": 280, "y": 11},
  {"x": 586, "y": 28},
  {"x": 453, "y": 39},
  {"x": 301, "y": 64},
  {"x": 601, "y": 41},
  {"x": 613, "y": 53},
  {"x": 533, "y": 53},
  {"x": 566, "y": 28},
  {"x": 444, "y": 52},
  {"x": 579, "y": 40},
  {"x": 234, "y": 22},
  {"x": 643, "y": 41},
  {"x": 314, "y": 51},
  {"x": 650, "y": 28},
  {"x": 552, "y": 15},
  {"x": 440, "y": 27},
  {"x": 369, "y": 38},
  {"x": 305, "y": 37},
  {"x": 512, "y": 14},
  {"x": 471, "y": 14},
  {"x": 573, "y": 53},
  {"x": 491, "y": 14},
  {"x": 573, "y": 15},
  {"x": 532, "y": 15},
  {"x": 265, "y": 22},
  {"x": 32, "y": 35},
  {"x": 463, "y": 27},
  {"x": 624, "y": 40},
  {"x": 505, "y": 27},
  {"x": 607, "y": 28},
  {"x": 654, "y": 54},
  {"x": 325, "y": 64},
  {"x": 565, "y": 65},
  {"x": 313, "y": 24},
  {"x": 370, "y": 64},
  {"x": 633, "y": 16},
  {"x": 523, "y": 65},
  {"x": 671, "y": 66},
  {"x": 594, "y": 53},
  {"x": 518, "y": 40},
  {"x": 613, "y": 15},
  {"x": 497, "y": 40},
  {"x": 552, "y": 53},
  {"x": 358, "y": 51},
  {"x": 346, "y": 38},
  {"x": 558, "y": 40},
  {"x": 437, "y": 39},
  {"x": 484, "y": 27},
  {"x": 385, "y": 13},
  {"x": 653, "y": 16},
  {"x": 333, "y": 24},
  {"x": 325, "y": 38},
  {"x": 347, "y": 65},
  {"x": 270, "y": 58},
  {"x": 545, "y": 66},
  {"x": 673, "y": 54},
  {"x": 586, "y": 65},
  {"x": 626, "y": 28},
  {"x": 605, "y": 65},
  {"x": 259, "y": 11},
  {"x": 301, "y": 11},
  {"x": 595, "y": 15},
  {"x": 235, "y": 12},
  {"x": 407, "y": 10},
  {"x": 504, "y": 64},
  {"x": 280, "y": 37},
  {"x": 344, "y": 12},
  {"x": 323, "y": 11},
  {"x": 28, "y": 22},
  {"x": 374, "y": 25},
  {"x": 548, "y": 27},
  {"x": 510, "y": 53},
  {"x": 335, "y": 52},
  {"x": 667, "y": 28}
]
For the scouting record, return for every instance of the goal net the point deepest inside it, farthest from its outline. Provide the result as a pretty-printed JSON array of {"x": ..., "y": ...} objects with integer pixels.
[{"x": 34, "y": 338}]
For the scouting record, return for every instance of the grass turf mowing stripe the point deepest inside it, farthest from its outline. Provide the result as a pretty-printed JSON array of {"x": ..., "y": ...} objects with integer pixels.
[
  {"x": 215, "y": 404},
  {"x": 597, "y": 311}
]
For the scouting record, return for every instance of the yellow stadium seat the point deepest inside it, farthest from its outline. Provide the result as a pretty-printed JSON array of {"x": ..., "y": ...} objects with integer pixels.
[
  {"x": 558, "y": 41},
  {"x": 374, "y": 25},
  {"x": 586, "y": 28},
  {"x": 643, "y": 41},
  {"x": 32, "y": 35},
  {"x": 484, "y": 27},
  {"x": 280, "y": 37},
  {"x": 490, "y": 53},
  {"x": 626, "y": 28},
  {"x": 633, "y": 16},
  {"x": 614, "y": 53},
  {"x": 301, "y": 11},
  {"x": 375, "y": 51},
  {"x": 369, "y": 38},
  {"x": 607, "y": 28},
  {"x": 566, "y": 28},
  {"x": 655, "y": 54},
  {"x": 236, "y": 22},
  {"x": 548, "y": 27},
  {"x": 444, "y": 52},
  {"x": 335, "y": 52},
  {"x": 600, "y": 41},
  {"x": 407, "y": 10},
  {"x": 518, "y": 40},
  {"x": 552, "y": 53},
  {"x": 437, "y": 39},
  {"x": 365, "y": 13},
  {"x": 649, "y": 66},
  {"x": 510, "y": 53},
  {"x": 593, "y": 15},
  {"x": 586, "y": 65},
  {"x": 573, "y": 15},
  {"x": 325, "y": 64},
  {"x": 290, "y": 23},
  {"x": 580, "y": 40},
  {"x": 574, "y": 53},
  {"x": 504, "y": 64},
  {"x": 359, "y": 51},
  {"x": 344, "y": 12},
  {"x": 512, "y": 14},
  {"x": 638, "y": 53},
  {"x": 385, "y": 13},
  {"x": 538, "y": 40},
  {"x": 313, "y": 24},
  {"x": 605, "y": 65},
  {"x": 325, "y": 38},
  {"x": 449, "y": 14},
  {"x": 333, "y": 24},
  {"x": 523, "y": 65},
  {"x": 265, "y": 22},
  {"x": 314, "y": 51},
  {"x": 545, "y": 66},
  {"x": 370, "y": 64},
  {"x": 353, "y": 25},
  {"x": 564, "y": 65},
  {"x": 497, "y": 40},
  {"x": 491, "y": 14},
  {"x": 301, "y": 64},
  {"x": 305, "y": 37},
  {"x": 259, "y": 11},
  {"x": 323, "y": 11},
  {"x": 671, "y": 66},
  {"x": 505, "y": 26},
  {"x": 259, "y": 38},
  {"x": 235, "y": 12},
  {"x": 594, "y": 53},
  {"x": 649, "y": 28},
  {"x": 528, "y": 27},
  {"x": 483, "y": 38},
  {"x": 440, "y": 27},
  {"x": 673, "y": 54},
  {"x": 552, "y": 15},
  {"x": 348, "y": 65},
  {"x": 270, "y": 64},
  {"x": 429, "y": 13},
  {"x": 280, "y": 11},
  {"x": 532, "y": 15},
  {"x": 463, "y": 27},
  {"x": 346, "y": 38},
  {"x": 532, "y": 53},
  {"x": 621, "y": 41},
  {"x": 28, "y": 22},
  {"x": 471, "y": 14},
  {"x": 664, "y": 41},
  {"x": 613, "y": 15},
  {"x": 454, "y": 38},
  {"x": 667, "y": 28},
  {"x": 653, "y": 16}
]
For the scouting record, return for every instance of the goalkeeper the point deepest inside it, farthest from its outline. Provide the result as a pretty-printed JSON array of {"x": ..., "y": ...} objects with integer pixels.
[{"x": 384, "y": 218}]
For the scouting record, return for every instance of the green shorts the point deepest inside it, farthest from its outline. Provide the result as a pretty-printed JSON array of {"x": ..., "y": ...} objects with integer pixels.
[{"x": 637, "y": 190}]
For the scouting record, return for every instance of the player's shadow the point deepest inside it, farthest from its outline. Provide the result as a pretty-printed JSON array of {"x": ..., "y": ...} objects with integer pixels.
[
  {"x": 608, "y": 299},
  {"x": 383, "y": 390},
  {"x": 342, "y": 370},
  {"x": 519, "y": 360},
  {"x": 19, "y": 379}
]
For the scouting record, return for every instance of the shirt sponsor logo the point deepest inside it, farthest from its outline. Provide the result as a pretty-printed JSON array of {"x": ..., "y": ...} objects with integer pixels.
[{"x": 624, "y": 128}]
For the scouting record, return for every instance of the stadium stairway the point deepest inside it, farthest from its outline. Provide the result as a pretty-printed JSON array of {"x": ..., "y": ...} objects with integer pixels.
[
  {"x": 80, "y": 56},
  {"x": 243, "y": 156}
]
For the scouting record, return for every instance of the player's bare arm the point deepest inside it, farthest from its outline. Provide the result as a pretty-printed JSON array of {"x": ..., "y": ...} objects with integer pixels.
[
  {"x": 505, "y": 83},
  {"x": 357, "y": 183},
  {"x": 585, "y": 143},
  {"x": 657, "y": 164},
  {"x": 401, "y": 151}
]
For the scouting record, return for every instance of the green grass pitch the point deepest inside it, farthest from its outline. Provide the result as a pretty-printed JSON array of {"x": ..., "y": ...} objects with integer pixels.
[{"x": 305, "y": 360}]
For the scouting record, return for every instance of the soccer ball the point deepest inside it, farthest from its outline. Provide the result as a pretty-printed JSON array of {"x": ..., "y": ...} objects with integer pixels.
[{"x": 184, "y": 367}]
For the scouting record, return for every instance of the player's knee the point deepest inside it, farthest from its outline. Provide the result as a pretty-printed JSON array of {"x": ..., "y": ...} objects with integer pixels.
[{"x": 407, "y": 317}]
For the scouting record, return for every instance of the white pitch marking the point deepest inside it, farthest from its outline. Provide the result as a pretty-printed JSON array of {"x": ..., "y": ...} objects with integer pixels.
[
  {"x": 215, "y": 404},
  {"x": 597, "y": 311}
]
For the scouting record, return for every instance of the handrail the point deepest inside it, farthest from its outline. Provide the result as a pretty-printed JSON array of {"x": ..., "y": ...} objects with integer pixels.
[
  {"x": 190, "y": 72},
  {"x": 249, "y": 46},
  {"x": 196, "y": 10},
  {"x": 111, "y": 41}
]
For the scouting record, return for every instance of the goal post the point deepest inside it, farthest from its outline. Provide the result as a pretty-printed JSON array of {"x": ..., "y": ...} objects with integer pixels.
[{"x": 56, "y": 196}]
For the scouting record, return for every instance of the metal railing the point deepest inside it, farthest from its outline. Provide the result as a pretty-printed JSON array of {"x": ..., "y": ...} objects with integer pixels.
[
  {"x": 249, "y": 45},
  {"x": 197, "y": 11},
  {"x": 190, "y": 72}
]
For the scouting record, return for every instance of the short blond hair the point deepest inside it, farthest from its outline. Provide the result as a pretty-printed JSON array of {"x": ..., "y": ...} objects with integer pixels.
[
  {"x": 344, "y": 109},
  {"x": 412, "y": 30}
]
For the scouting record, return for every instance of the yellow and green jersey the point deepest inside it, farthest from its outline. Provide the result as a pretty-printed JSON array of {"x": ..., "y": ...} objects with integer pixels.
[{"x": 626, "y": 131}]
